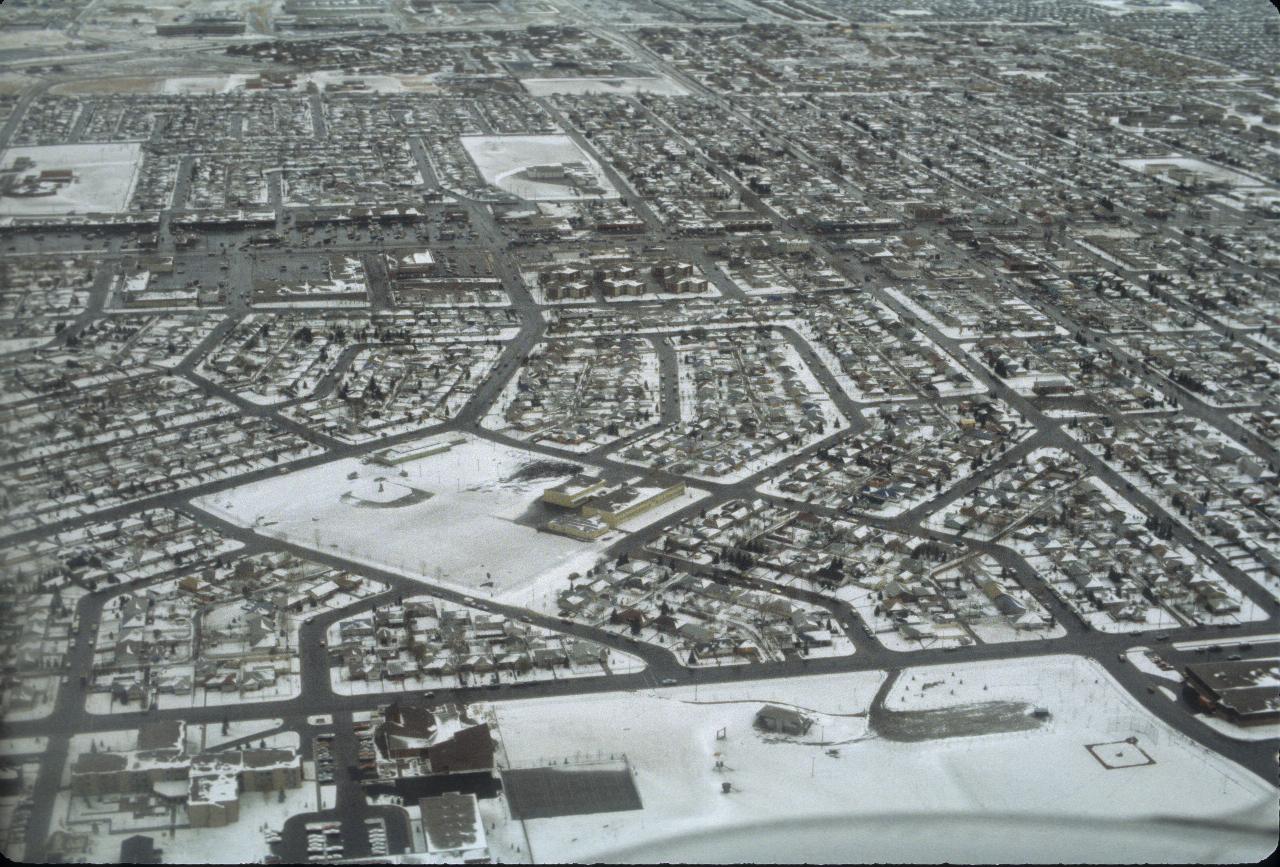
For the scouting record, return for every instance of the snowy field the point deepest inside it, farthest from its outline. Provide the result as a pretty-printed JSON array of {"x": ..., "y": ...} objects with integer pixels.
[
  {"x": 1238, "y": 180},
  {"x": 477, "y": 526},
  {"x": 23, "y": 746},
  {"x": 1125, "y": 7},
  {"x": 845, "y": 792},
  {"x": 104, "y": 178},
  {"x": 323, "y": 79},
  {"x": 499, "y": 159},
  {"x": 656, "y": 84}
]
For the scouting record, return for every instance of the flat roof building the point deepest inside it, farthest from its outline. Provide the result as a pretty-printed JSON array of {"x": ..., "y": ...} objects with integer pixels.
[
  {"x": 1243, "y": 691},
  {"x": 574, "y": 492},
  {"x": 453, "y": 828}
]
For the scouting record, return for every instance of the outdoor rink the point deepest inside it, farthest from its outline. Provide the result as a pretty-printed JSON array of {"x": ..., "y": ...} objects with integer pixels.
[
  {"x": 460, "y": 519},
  {"x": 1033, "y": 792}
]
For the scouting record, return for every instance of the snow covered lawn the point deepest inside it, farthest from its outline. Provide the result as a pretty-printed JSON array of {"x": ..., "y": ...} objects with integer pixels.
[
  {"x": 104, "y": 177},
  {"x": 477, "y": 526},
  {"x": 842, "y": 792},
  {"x": 641, "y": 84},
  {"x": 501, "y": 158}
]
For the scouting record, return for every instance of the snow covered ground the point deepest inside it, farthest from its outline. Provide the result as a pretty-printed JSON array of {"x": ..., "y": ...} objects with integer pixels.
[
  {"x": 23, "y": 746},
  {"x": 500, "y": 159},
  {"x": 208, "y": 737},
  {"x": 1143, "y": 659},
  {"x": 1124, "y": 7},
  {"x": 656, "y": 84},
  {"x": 840, "y": 791},
  {"x": 323, "y": 79},
  {"x": 463, "y": 535},
  {"x": 104, "y": 178},
  {"x": 21, "y": 344},
  {"x": 477, "y": 526},
  {"x": 1226, "y": 727}
]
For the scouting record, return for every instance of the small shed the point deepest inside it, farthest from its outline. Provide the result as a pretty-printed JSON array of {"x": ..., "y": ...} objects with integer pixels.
[{"x": 784, "y": 720}]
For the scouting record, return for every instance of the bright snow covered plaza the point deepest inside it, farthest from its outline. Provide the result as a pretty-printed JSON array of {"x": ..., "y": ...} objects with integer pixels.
[{"x": 635, "y": 431}]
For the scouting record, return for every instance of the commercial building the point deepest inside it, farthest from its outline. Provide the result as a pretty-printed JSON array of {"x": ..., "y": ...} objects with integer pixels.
[
  {"x": 630, "y": 500},
  {"x": 1243, "y": 691},
  {"x": 574, "y": 492},
  {"x": 453, "y": 828}
]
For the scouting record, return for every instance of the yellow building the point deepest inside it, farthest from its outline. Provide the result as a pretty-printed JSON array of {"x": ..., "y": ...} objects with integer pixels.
[
  {"x": 630, "y": 500},
  {"x": 575, "y": 492}
]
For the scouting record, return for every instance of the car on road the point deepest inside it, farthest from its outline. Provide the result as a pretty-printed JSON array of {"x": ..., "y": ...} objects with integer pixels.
[
  {"x": 668, "y": 681},
  {"x": 1163, "y": 636},
  {"x": 1235, "y": 657}
]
